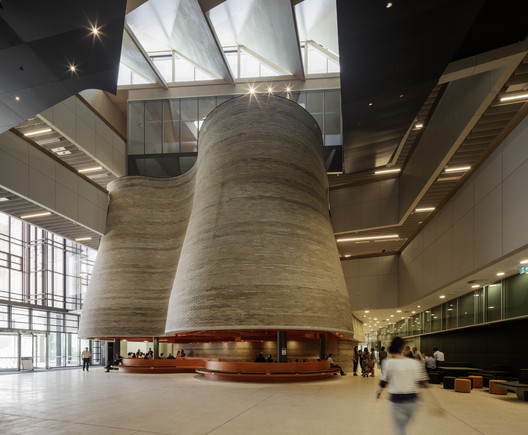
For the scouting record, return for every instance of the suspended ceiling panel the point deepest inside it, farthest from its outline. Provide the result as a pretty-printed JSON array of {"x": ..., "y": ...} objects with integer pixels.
[
  {"x": 317, "y": 21},
  {"x": 266, "y": 28},
  {"x": 181, "y": 26},
  {"x": 39, "y": 41}
]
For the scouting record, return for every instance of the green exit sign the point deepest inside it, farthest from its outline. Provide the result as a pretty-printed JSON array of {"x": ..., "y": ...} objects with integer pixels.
[{"x": 524, "y": 269}]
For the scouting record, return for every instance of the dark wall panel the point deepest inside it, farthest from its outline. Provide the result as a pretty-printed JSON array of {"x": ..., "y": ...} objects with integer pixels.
[{"x": 500, "y": 343}]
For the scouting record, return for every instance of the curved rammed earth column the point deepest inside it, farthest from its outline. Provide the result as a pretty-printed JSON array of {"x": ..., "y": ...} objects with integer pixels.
[
  {"x": 259, "y": 251},
  {"x": 138, "y": 256}
]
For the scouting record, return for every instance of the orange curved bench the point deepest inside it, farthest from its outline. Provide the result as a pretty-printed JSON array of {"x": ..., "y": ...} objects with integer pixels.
[
  {"x": 176, "y": 365},
  {"x": 267, "y": 372}
]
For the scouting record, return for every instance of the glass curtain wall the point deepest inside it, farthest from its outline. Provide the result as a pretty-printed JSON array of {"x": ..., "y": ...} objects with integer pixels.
[
  {"x": 43, "y": 277},
  {"x": 163, "y": 134},
  {"x": 500, "y": 301}
]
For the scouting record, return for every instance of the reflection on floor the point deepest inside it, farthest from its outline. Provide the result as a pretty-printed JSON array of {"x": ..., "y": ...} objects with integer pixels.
[{"x": 76, "y": 402}]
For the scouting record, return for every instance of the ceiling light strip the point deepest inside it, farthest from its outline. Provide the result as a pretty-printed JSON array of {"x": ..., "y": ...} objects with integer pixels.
[
  {"x": 387, "y": 171},
  {"x": 35, "y": 215},
  {"x": 356, "y": 239},
  {"x": 36, "y": 132}
]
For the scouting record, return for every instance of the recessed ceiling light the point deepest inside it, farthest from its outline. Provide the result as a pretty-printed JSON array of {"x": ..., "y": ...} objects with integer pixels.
[
  {"x": 72, "y": 68},
  {"x": 418, "y": 126},
  {"x": 524, "y": 262},
  {"x": 413, "y": 312},
  {"x": 392, "y": 315},
  {"x": 34, "y": 133},
  {"x": 95, "y": 168},
  {"x": 3, "y": 199},
  {"x": 442, "y": 297},
  {"x": 475, "y": 286},
  {"x": 401, "y": 95},
  {"x": 348, "y": 256},
  {"x": 398, "y": 311},
  {"x": 514, "y": 97},
  {"x": 82, "y": 239},
  {"x": 388, "y": 5},
  {"x": 367, "y": 311},
  {"x": 288, "y": 89},
  {"x": 370, "y": 104},
  {"x": 417, "y": 306},
  {"x": 95, "y": 30},
  {"x": 375, "y": 318},
  {"x": 17, "y": 98},
  {"x": 251, "y": 90},
  {"x": 387, "y": 171},
  {"x": 35, "y": 215},
  {"x": 355, "y": 239},
  {"x": 500, "y": 273},
  {"x": 58, "y": 149},
  {"x": 458, "y": 169},
  {"x": 270, "y": 90},
  {"x": 420, "y": 210}
]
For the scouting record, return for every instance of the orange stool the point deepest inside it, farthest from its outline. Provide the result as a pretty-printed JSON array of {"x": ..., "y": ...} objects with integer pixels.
[
  {"x": 477, "y": 381},
  {"x": 493, "y": 389},
  {"x": 463, "y": 385}
]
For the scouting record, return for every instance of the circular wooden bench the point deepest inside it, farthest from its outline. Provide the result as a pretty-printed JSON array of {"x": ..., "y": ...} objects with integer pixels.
[
  {"x": 267, "y": 372},
  {"x": 165, "y": 365}
]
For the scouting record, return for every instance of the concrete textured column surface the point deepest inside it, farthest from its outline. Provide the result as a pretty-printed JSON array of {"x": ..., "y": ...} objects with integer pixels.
[
  {"x": 242, "y": 241},
  {"x": 259, "y": 251}
]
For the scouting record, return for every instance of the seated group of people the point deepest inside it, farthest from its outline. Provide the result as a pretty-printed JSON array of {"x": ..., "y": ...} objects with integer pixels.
[
  {"x": 150, "y": 354},
  {"x": 262, "y": 358}
]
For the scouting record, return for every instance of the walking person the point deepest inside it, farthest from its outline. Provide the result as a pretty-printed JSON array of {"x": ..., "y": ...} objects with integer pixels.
[
  {"x": 86, "y": 355},
  {"x": 404, "y": 376},
  {"x": 366, "y": 363}
]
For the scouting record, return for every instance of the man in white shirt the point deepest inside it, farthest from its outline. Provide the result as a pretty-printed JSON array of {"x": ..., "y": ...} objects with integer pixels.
[
  {"x": 86, "y": 355},
  {"x": 438, "y": 355}
]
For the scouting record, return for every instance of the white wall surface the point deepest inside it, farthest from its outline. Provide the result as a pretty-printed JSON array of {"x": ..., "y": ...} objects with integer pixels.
[
  {"x": 31, "y": 174},
  {"x": 366, "y": 206},
  {"x": 372, "y": 282},
  {"x": 75, "y": 121},
  {"x": 485, "y": 220}
]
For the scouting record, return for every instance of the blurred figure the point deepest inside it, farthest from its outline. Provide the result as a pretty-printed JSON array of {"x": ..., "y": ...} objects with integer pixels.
[
  {"x": 417, "y": 354},
  {"x": 404, "y": 377},
  {"x": 374, "y": 361},
  {"x": 382, "y": 356}
]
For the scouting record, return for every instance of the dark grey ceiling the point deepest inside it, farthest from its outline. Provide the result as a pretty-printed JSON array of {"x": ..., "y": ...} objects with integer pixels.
[
  {"x": 391, "y": 58},
  {"x": 38, "y": 42}
]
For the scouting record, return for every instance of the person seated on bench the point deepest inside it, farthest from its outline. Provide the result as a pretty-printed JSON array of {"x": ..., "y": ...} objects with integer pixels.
[
  {"x": 115, "y": 362},
  {"x": 260, "y": 358},
  {"x": 171, "y": 356},
  {"x": 182, "y": 354},
  {"x": 333, "y": 365},
  {"x": 430, "y": 362},
  {"x": 269, "y": 358}
]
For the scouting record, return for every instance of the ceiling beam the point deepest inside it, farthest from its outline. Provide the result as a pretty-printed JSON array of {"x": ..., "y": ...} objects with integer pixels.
[{"x": 505, "y": 56}]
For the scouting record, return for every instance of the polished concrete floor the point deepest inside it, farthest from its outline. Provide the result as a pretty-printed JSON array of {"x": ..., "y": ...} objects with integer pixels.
[{"x": 76, "y": 402}]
